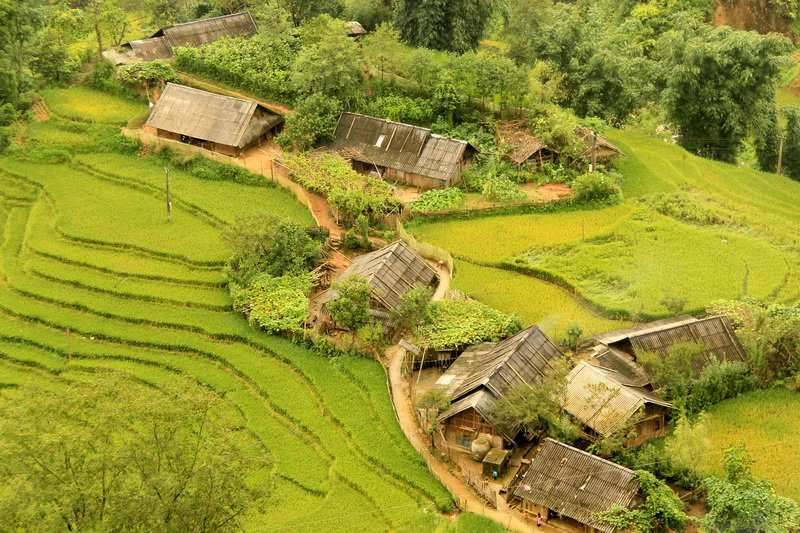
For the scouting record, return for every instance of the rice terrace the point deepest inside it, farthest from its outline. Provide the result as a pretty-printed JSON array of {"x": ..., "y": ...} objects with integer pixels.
[{"x": 403, "y": 266}]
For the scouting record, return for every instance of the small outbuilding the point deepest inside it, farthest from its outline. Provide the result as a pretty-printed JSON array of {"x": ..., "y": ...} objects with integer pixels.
[
  {"x": 595, "y": 143},
  {"x": 196, "y": 33},
  {"x": 520, "y": 147},
  {"x": 391, "y": 272},
  {"x": 401, "y": 152},
  {"x": 603, "y": 401},
  {"x": 354, "y": 29},
  {"x": 573, "y": 485},
  {"x": 619, "y": 349},
  {"x": 218, "y": 123},
  {"x": 482, "y": 375}
]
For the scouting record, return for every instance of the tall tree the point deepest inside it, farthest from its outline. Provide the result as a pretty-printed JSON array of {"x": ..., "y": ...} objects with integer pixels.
[
  {"x": 714, "y": 110},
  {"x": 113, "y": 454},
  {"x": 791, "y": 146},
  {"x": 452, "y": 25},
  {"x": 301, "y": 11}
]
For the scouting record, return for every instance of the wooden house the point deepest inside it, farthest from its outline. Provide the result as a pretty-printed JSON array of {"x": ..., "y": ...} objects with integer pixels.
[
  {"x": 572, "y": 485},
  {"x": 218, "y": 123},
  {"x": 401, "y": 152},
  {"x": 603, "y": 400},
  {"x": 482, "y": 375},
  {"x": 391, "y": 272},
  {"x": 196, "y": 33},
  {"x": 520, "y": 147},
  {"x": 596, "y": 143},
  {"x": 619, "y": 349}
]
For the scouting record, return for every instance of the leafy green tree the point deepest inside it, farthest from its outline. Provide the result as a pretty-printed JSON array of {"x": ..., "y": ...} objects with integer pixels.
[
  {"x": 433, "y": 402},
  {"x": 452, "y": 25},
  {"x": 113, "y": 454},
  {"x": 713, "y": 110},
  {"x": 791, "y": 146},
  {"x": 662, "y": 509},
  {"x": 766, "y": 143},
  {"x": 373, "y": 339},
  {"x": 673, "y": 372},
  {"x": 301, "y": 11},
  {"x": 600, "y": 398},
  {"x": 19, "y": 21},
  {"x": 688, "y": 445},
  {"x": 384, "y": 51},
  {"x": 350, "y": 309},
  {"x": 312, "y": 123},
  {"x": 740, "y": 503},
  {"x": 275, "y": 304},
  {"x": 148, "y": 73},
  {"x": 165, "y": 12},
  {"x": 414, "y": 307}
]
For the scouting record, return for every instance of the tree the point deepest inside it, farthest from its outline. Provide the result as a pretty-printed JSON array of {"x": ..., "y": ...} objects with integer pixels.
[
  {"x": 301, "y": 11},
  {"x": 414, "y": 307},
  {"x": 147, "y": 73},
  {"x": 450, "y": 25},
  {"x": 312, "y": 124},
  {"x": 791, "y": 146},
  {"x": 713, "y": 110},
  {"x": 433, "y": 402},
  {"x": 113, "y": 454},
  {"x": 688, "y": 445},
  {"x": 598, "y": 401},
  {"x": 767, "y": 140},
  {"x": 673, "y": 372},
  {"x": 350, "y": 309},
  {"x": 662, "y": 509},
  {"x": 740, "y": 503}
]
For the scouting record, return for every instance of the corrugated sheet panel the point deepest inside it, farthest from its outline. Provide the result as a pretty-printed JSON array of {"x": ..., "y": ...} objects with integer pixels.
[
  {"x": 598, "y": 398},
  {"x": 577, "y": 484},
  {"x": 211, "y": 117},
  {"x": 399, "y": 146},
  {"x": 200, "y": 32},
  {"x": 623, "y": 363},
  {"x": 715, "y": 333},
  {"x": 152, "y": 48},
  {"x": 615, "y": 336}
]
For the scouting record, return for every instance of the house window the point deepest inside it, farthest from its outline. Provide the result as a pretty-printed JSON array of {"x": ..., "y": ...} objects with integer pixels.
[{"x": 379, "y": 142}]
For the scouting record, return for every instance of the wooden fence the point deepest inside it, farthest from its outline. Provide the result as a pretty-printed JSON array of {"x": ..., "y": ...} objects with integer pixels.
[{"x": 483, "y": 488}]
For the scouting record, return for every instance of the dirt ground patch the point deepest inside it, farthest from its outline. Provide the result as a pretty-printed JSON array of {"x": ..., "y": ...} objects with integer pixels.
[{"x": 41, "y": 111}]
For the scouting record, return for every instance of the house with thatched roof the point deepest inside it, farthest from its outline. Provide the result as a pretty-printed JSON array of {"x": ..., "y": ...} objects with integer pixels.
[
  {"x": 520, "y": 147},
  {"x": 596, "y": 144},
  {"x": 391, "y": 272},
  {"x": 484, "y": 374},
  {"x": 196, "y": 33},
  {"x": 354, "y": 28},
  {"x": 573, "y": 485},
  {"x": 218, "y": 123},
  {"x": 619, "y": 349},
  {"x": 401, "y": 152},
  {"x": 603, "y": 401}
]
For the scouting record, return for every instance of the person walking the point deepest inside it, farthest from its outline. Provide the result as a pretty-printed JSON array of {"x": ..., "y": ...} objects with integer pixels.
[{"x": 538, "y": 519}]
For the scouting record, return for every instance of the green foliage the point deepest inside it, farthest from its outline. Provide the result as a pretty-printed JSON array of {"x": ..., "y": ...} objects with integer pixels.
[
  {"x": 791, "y": 149},
  {"x": 464, "y": 322},
  {"x": 739, "y": 502},
  {"x": 699, "y": 92},
  {"x": 574, "y": 332},
  {"x": 687, "y": 447},
  {"x": 124, "y": 455},
  {"x": 456, "y": 26},
  {"x": 265, "y": 244},
  {"x": 373, "y": 338},
  {"x": 766, "y": 142},
  {"x": 312, "y": 124},
  {"x": 418, "y": 111},
  {"x": 414, "y": 307},
  {"x": 438, "y": 200},
  {"x": 362, "y": 226},
  {"x": 493, "y": 177},
  {"x": 687, "y": 207},
  {"x": 148, "y": 73},
  {"x": 351, "y": 240},
  {"x": 662, "y": 509},
  {"x": 84, "y": 104},
  {"x": 596, "y": 187},
  {"x": 277, "y": 304},
  {"x": 350, "y": 308}
]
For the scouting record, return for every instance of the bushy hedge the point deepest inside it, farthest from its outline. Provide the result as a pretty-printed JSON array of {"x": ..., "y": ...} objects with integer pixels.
[
  {"x": 596, "y": 187},
  {"x": 438, "y": 199},
  {"x": 460, "y": 323}
]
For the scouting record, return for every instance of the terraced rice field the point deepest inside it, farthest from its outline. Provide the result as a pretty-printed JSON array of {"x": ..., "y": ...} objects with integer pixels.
[{"x": 93, "y": 276}]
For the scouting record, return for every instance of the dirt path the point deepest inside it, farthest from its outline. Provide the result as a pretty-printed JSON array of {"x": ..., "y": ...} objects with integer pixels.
[
  {"x": 271, "y": 105},
  {"x": 444, "y": 282}
]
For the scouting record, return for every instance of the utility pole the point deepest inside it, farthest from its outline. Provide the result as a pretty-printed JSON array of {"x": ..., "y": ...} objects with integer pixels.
[
  {"x": 780, "y": 153},
  {"x": 169, "y": 204},
  {"x": 594, "y": 151}
]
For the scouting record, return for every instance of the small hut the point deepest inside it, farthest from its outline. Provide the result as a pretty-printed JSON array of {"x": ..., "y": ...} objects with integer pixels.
[
  {"x": 354, "y": 29},
  {"x": 603, "y": 401},
  {"x": 520, "y": 147},
  {"x": 218, "y": 123},
  {"x": 595, "y": 143},
  {"x": 482, "y": 375},
  {"x": 575, "y": 485},
  {"x": 401, "y": 152},
  {"x": 196, "y": 33},
  {"x": 619, "y": 349},
  {"x": 391, "y": 272}
]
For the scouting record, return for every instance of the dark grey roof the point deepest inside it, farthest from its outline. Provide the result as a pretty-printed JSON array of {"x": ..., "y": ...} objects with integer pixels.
[
  {"x": 398, "y": 146},
  {"x": 632, "y": 373},
  {"x": 195, "y": 33},
  {"x": 391, "y": 272},
  {"x": 501, "y": 366},
  {"x": 211, "y": 117},
  {"x": 600, "y": 399},
  {"x": 577, "y": 484},
  {"x": 715, "y": 333}
]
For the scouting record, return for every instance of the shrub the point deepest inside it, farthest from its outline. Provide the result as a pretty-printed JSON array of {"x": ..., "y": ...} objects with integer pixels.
[
  {"x": 458, "y": 323},
  {"x": 438, "y": 199},
  {"x": 686, "y": 207},
  {"x": 275, "y": 304},
  {"x": 596, "y": 187}
]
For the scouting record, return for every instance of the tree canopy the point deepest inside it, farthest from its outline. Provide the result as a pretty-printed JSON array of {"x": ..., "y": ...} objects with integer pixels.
[{"x": 453, "y": 25}]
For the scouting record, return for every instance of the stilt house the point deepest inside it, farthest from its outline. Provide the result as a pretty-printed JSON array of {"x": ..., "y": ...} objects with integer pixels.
[
  {"x": 619, "y": 349},
  {"x": 603, "y": 401},
  {"x": 391, "y": 272},
  {"x": 572, "y": 485},
  {"x": 401, "y": 152},
  {"x": 196, "y": 33},
  {"x": 482, "y": 375},
  {"x": 218, "y": 123}
]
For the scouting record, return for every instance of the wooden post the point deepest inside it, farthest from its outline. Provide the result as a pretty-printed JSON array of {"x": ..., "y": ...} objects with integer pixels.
[
  {"x": 780, "y": 153},
  {"x": 272, "y": 170},
  {"x": 594, "y": 151},
  {"x": 169, "y": 204}
]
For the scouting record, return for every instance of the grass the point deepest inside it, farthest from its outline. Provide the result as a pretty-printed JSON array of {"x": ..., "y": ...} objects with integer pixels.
[
  {"x": 766, "y": 421},
  {"x": 85, "y": 104},
  {"x": 91, "y": 277},
  {"x": 533, "y": 300}
]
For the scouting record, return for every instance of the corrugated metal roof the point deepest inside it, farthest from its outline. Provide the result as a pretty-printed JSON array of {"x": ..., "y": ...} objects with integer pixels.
[
  {"x": 577, "y": 484},
  {"x": 399, "y": 146},
  {"x": 640, "y": 329},
  {"x": 501, "y": 366},
  {"x": 195, "y": 33},
  {"x": 211, "y": 117},
  {"x": 623, "y": 363},
  {"x": 391, "y": 272},
  {"x": 599, "y": 398},
  {"x": 483, "y": 402}
]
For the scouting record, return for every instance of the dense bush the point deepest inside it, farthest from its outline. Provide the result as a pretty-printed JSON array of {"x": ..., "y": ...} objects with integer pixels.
[
  {"x": 417, "y": 111},
  {"x": 204, "y": 168},
  {"x": 596, "y": 187},
  {"x": 464, "y": 322},
  {"x": 719, "y": 381},
  {"x": 103, "y": 77},
  {"x": 438, "y": 199},
  {"x": 686, "y": 207},
  {"x": 275, "y": 304}
]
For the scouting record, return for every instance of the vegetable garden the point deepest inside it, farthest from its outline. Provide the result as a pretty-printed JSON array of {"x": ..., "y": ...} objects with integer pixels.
[{"x": 93, "y": 276}]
